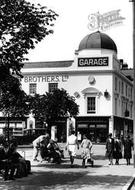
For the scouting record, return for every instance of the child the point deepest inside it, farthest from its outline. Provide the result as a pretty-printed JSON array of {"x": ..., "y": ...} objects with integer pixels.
[{"x": 86, "y": 152}]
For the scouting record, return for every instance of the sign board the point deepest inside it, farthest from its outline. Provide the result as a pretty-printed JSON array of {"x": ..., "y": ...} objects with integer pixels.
[
  {"x": 45, "y": 78},
  {"x": 104, "y": 21},
  {"x": 93, "y": 61}
]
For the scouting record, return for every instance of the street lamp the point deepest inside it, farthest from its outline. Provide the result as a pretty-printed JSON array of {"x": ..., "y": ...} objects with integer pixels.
[
  {"x": 133, "y": 4},
  {"x": 7, "y": 127}
]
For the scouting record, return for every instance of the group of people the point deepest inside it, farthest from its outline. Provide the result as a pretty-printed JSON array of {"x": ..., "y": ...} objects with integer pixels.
[
  {"x": 49, "y": 149},
  {"x": 117, "y": 148},
  {"x": 12, "y": 164},
  {"x": 86, "y": 146}
]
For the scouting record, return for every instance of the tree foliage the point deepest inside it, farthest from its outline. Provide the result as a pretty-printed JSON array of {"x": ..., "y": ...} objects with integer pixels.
[
  {"x": 22, "y": 26},
  {"x": 51, "y": 106},
  {"x": 13, "y": 98}
]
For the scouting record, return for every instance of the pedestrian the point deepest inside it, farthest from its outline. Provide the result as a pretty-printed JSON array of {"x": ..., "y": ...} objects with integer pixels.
[
  {"x": 72, "y": 142},
  {"x": 117, "y": 149},
  {"x": 23, "y": 167},
  {"x": 7, "y": 168},
  {"x": 128, "y": 145},
  {"x": 110, "y": 148},
  {"x": 43, "y": 148},
  {"x": 37, "y": 143},
  {"x": 86, "y": 150},
  {"x": 55, "y": 153}
]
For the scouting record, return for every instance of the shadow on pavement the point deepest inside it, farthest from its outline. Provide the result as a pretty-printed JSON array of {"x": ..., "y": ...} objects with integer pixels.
[
  {"x": 61, "y": 180},
  {"x": 95, "y": 157},
  {"x": 64, "y": 165}
]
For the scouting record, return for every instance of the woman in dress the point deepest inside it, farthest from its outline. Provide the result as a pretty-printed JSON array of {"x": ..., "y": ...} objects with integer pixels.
[
  {"x": 86, "y": 150},
  {"x": 110, "y": 148},
  {"x": 117, "y": 149}
]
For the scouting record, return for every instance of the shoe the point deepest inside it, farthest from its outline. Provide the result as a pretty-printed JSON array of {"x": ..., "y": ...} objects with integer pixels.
[
  {"x": 11, "y": 178},
  {"x": 92, "y": 163},
  {"x": 83, "y": 164},
  {"x": 36, "y": 160},
  {"x": 17, "y": 176}
]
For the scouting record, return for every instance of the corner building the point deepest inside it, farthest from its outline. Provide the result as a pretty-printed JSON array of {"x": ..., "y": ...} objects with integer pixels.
[{"x": 103, "y": 92}]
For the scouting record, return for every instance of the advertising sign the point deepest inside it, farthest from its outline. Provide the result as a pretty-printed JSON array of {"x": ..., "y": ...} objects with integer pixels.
[
  {"x": 45, "y": 78},
  {"x": 93, "y": 61}
]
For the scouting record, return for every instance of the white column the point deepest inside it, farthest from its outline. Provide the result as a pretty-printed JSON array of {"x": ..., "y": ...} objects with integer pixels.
[
  {"x": 111, "y": 124},
  {"x": 54, "y": 132}
]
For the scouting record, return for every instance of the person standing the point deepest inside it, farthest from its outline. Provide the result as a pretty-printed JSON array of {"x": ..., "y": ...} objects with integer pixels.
[
  {"x": 110, "y": 148},
  {"x": 86, "y": 150},
  {"x": 128, "y": 145},
  {"x": 72, "y": 142},
  {"x": 117, "y": 149}
]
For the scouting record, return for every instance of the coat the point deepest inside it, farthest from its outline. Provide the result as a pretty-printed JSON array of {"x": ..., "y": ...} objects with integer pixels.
[
  {"x": 117, "y": 149},
  {"x": 128, "y": 144},
  {"x": 109, "y": 147}
]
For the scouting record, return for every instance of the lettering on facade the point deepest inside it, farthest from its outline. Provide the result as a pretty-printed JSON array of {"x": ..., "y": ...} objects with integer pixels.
[
  {"x": 93, "y": 61},
  {"x": 45, "y": 78}
]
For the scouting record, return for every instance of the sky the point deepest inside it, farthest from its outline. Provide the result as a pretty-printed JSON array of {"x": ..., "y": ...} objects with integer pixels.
[{"x": 72, "y": 26}]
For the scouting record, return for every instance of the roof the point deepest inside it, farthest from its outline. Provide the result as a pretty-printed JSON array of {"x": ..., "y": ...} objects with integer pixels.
[
  {"x": 49, "y": 64},
  {"x": 97, "y": 40}
]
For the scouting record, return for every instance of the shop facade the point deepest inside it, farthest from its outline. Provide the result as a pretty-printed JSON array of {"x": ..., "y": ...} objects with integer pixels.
[{"x": 102, "y": 91}]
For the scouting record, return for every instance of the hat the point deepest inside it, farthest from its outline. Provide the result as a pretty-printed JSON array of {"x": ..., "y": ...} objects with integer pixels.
[
  {"x": 110, "y": 134},
  {"x": 47, "y": 135}
]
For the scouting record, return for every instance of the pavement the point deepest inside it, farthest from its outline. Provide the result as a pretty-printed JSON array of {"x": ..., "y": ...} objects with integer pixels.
[{"x": 48, "y": 176}]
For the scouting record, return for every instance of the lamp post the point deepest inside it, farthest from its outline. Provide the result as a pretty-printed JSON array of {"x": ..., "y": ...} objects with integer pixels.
[
  {"x": 133, "y": 5},
  {"x": 7, "y": 127}
]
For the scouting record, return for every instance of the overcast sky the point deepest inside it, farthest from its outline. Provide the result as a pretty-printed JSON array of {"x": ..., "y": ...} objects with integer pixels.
[{"x": 72, "y": 26}]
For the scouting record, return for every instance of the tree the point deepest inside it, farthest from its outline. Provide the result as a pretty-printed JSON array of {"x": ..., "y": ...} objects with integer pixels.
[
  {"x": 12, "y": 98},
  {"x": 51, "y": 106},
  {"x": 60, "y": 104},
  {"x": 22, "y": 26}
]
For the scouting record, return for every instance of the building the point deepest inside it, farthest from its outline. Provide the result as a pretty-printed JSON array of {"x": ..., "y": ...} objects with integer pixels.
[{"x": 95, "y": 77}]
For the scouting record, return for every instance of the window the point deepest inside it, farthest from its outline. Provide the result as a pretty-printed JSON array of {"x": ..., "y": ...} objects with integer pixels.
[
  {"x": 52, "y": 86},
  {"x": 115, "y": 106},
  {"x": 116, "y": 84},
  {"x": 119, "y": 86},
  {"x": 91, "y": 105},
  {"x": 122, "y": 88},
  {"x": 32, "y": 88},
  {"x": 126, "y": 89}
]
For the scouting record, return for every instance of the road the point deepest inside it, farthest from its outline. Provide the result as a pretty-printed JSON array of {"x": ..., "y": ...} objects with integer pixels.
[{"x": 61, "y": 177}]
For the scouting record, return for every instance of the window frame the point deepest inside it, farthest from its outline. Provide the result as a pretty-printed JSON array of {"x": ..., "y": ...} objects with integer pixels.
[
  {"x": 52, "y": 87},
  {"x": 91, "y": 111}
]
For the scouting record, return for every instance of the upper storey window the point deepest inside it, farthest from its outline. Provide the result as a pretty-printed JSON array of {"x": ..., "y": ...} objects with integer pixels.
[
  {"x": 52, "y": 86},
  {"x": 91, "y": 104},
  {"x": 32, "y": 88},
  {"x": 116, "y": 84}
]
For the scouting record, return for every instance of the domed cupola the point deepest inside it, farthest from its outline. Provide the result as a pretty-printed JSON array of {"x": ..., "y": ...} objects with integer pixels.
[{"x": 97, "y": 40}]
